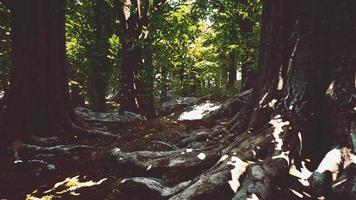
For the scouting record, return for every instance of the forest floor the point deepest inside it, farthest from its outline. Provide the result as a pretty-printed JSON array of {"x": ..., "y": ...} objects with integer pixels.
[
  {"x": 84, "y": 168},
  {"x": 81, "y": 169}
]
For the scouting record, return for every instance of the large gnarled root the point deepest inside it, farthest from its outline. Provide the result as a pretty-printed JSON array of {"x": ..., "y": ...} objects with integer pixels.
[
  {"x": 58, "y": 150},
  {"x": 259, "y": 180},
  {"x": 148, "y": 162},
  {"x": 335, "y": 176},
  {"x": 218, "y": 182},
  {"x": 153, "y": 184}
]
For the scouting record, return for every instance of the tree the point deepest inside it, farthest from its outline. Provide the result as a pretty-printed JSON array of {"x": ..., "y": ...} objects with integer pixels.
[
  {"x": 38, "y": 102},
  {"x": 139, "y": 30},
  {"x": 237, "y": 27},
  {"x": 304, "y": 98},
  {"x": 232, "y": 66},
  {"x": 136, "y": 56},
  {"x": 97, "y": 52}
]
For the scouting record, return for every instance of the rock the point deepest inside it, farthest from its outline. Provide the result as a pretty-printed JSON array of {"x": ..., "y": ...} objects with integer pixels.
[
  {"x": 198, "y": 112},
  {"x": 171, "y": 94},
  {"x": 177, "y": 104},
  {"x": 89, "y": 115},
  {"x": 231, "y": 106}
]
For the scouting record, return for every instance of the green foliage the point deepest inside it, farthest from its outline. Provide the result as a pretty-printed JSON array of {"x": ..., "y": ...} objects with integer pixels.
[
  {"x": 186, "y": 44},
  {"x": 87, "y": 46},
  {"x": 190, "y": 43},
  {"x": 196, "y": 40}
]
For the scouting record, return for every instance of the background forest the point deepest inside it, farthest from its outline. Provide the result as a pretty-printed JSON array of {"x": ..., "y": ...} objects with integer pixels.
[{"x": 190, "y": 48}]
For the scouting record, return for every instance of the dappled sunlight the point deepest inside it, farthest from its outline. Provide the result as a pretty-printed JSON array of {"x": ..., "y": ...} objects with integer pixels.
[
  {"x": 336, "y": 159},
  {"x": 201, "y": 156},
  {"x": 239, "y": 168},
  {"x": 198, "y": 111},
  {"x": 302, "y": 174},
  {"x": 296, "y": 193},
  {"x": 278, "y": 124},
  {"x": 69, "y": 186},
  {"x": 252, "y": 197},
  {"x": 177, "y": 100}
]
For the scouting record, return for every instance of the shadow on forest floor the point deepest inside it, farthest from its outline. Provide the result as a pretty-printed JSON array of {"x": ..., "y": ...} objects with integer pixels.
[{"x": 81, "y": 169}]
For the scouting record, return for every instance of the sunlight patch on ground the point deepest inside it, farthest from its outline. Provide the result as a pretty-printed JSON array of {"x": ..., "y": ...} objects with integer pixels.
[
  {"x": 284, "y": 155},
  {"x": 253, "y": 197},
  {"x": 69, "y": 185},
  {"x": 189, "y": 150},
  {"x": 303, "y": 174},
  {"x": 198, "y": 111},
  {"x": 239, "y": 168},
  {"x": 224, "y": 157},
  {"x": 331, "y": 162},
  {"x": 340, "y": 182},
  {"x": 296, "y": 193},
  {"x": 272, "y": 103},
  {"x": 201, "y": 156},
  {"x": 278, "y": 124},
  {"x": 263, "y": 98}
]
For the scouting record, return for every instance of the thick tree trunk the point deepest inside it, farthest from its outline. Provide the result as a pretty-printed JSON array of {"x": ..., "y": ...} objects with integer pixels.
[
  {"x": 136, "y": 62},
  {"x": 129, "y": 82},
  {"x": 38, "y": 98},
  {"x": 39, "y": 87}
]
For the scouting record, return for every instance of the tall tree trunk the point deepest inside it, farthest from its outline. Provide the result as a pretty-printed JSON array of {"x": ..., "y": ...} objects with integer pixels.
[
  {"x": 164, "y": 84},
  {"x": 232, "y": 66},
  {"x": 136, "y": 97},
  {"x": 146, "y": 96},
  {"x": 38, "y": 98},
  {"x": 248, "y": 75},
  {"x": 232, "y": 71},
  {"x": 129, "y": 82},
  {"x": 97, "y": 50}
]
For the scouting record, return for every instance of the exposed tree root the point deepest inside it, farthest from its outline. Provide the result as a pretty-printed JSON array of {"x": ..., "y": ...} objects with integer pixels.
[
  {"x": 58, "y": 150},
  {"x": 155, "y": 185}
]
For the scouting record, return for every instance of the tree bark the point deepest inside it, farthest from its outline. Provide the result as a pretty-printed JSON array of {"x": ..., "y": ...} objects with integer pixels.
[
  {"x": 136, "y": 58},
  {"x": 232, "y": 66},
  {"x": 38, "y": 99},
  {"x": 97, "y": 49},
  {"x": 248, "y": 77}
]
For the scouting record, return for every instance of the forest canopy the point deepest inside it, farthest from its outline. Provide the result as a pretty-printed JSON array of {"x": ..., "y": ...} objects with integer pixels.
[{"x": 193, "y": 48}]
